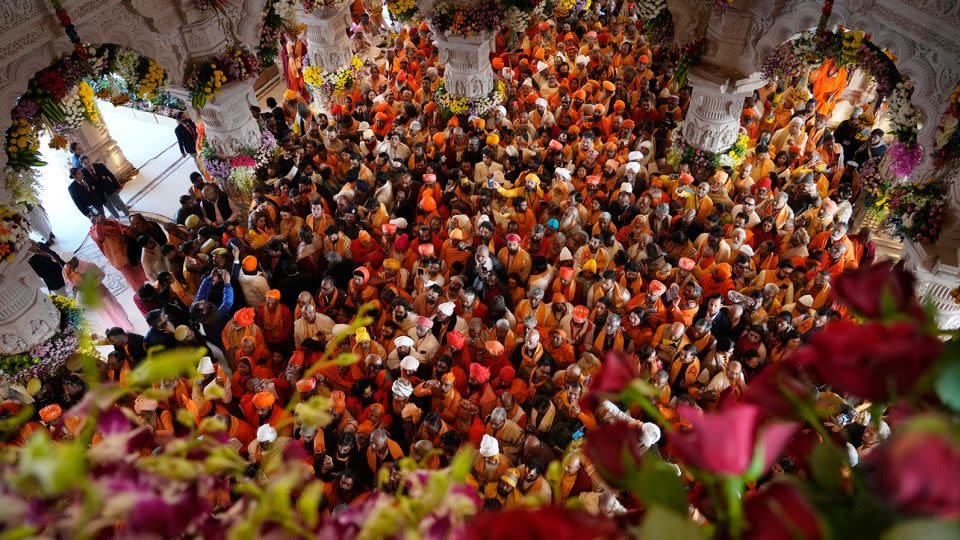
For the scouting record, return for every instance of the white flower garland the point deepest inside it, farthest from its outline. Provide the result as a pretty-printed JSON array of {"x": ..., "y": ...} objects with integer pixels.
[
  {"x": 904, "y": 116},
  {"x": 74, "y": 113},
  {"x": 649, "y": 9}
]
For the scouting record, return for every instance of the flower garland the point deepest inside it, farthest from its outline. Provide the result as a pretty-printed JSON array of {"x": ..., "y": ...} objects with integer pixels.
[
  {"x": 240, "y": 169},
  {"x": 917, "y": 210},
  {"x": 23, "y": 184},
  {"x": 947, "y": 146},
  {"x": 68, "y": 28},
  {"x": 65, "y": 86},
  {"x": 451, "y": 105},
  {"x": 46, "y": 359},
  {"x": 276, "y": 19},
  {"x": 570, "y": 8},
  {"x": 402, "y": 10},
  {"x": 905, "y": 154},
  {"x": 782, "y": 64},
  {"x": 205, "y": 78},
  {"x": 874, "y": 186},
  {"x": 326, "y": 84},
  {"x": 682, "y": 152},
  {"x": 466, "y": 20},
  {"x": 689, "y": 56},
  {"x": 519, "y": 18},
  {"x": 14, "y": 231}
]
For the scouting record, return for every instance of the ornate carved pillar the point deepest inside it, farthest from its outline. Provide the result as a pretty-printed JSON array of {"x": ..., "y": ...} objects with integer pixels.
[
  {"x": 328, "y": 46},
  {"x": 200, "y": 39},
  {"x": 467, "y": 72},
  {"x": 27, "y": 316},
  {"x": 97, "y": 143},
  {"x": 713, "y": 119},
  {"x": 229, "y": 124}
]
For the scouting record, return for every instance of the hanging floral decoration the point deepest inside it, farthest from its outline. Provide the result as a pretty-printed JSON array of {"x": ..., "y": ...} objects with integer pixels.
[
  {"x": 60, "y": 97},
  {"x": 689, "y": 56},
  {"x": 451, "y": 105},
  {"x": 116, "y": 91},
  {"x": 660, "y": 29},
  {"x": 904, "y": 154},
  {"x": 782, "y": 64},
  {"x": 69, "y": 28},
  {"x": 277, "y": 18},
  {"x": 947, "y": 147},
  {"x": 519, "y": 16},
  {"x": 205, "y": 78},
  {"x": 874, "y": 185},
  {"x": 324, "y": 85},
  {"x": 917, "y": 210},
  {"x": 46, "y": 359},
  {"x": 14, "y": 230}
]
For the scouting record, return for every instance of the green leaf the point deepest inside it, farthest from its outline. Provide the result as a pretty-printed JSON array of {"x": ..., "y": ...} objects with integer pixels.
[
  {"x": 54, "y": 468},
  {"x": 656, "y": 484},
  {"x": 927, "y": 529},
  {"x": 826, "y": 461},
  {"x": 662, "y": 523},
  {"x": 309, "y": 502},
  {"x": 947, "y": 385},
  {"x": 165, "y": 365},
  {"x": 461, "y": 464}
]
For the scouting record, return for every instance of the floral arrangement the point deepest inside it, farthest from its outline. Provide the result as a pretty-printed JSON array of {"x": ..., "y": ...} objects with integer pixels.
[
  {"x": 570, "y": 8},
  {"x": 23, "y": 184},
  {"x": 782, "y": 64},
  {"x": 68, "y": 27},
  {"x": 402, "y": 10},
  {"x": 205, "y": 78},
  {"x": 659, "y": 30},
  {"x": 243, "y": 176},
  {"x": 948, "y": 136},
  {"x": 248, "y": 158},
  {"x": 451, "y": 105},
  {"x": 917, "y": 210},
  {"x": 874, "y": 185},
  {"x": 326, "y": 84},
  {"x": 703, "y": 162},
  {"x": 650, "y": 9},
  {"x": 14, "y": 231},
  {"x": 905, "y": 154},
  {"x": 46, "y": 359},
  {"x": 467, "y": 20},
  {"x": 67, "y": 86},
  {"x": 58, "y": 142},
  {"x": 689, "y": 56},
  {"x": 518, "y": 18},
  {"x": 737, "y": 152},
  {"x": 277, "y": 17}
]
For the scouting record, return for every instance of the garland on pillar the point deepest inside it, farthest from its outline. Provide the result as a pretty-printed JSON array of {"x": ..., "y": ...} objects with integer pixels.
[
  {"x": 703, "y": 161},
  {"x": 917, "y": 210},
  {"x": 326, "y": 85},
  {"x": 278, "y": 17},
  {"x": 59, "y": 99},
  {"x": 451, "y": 105},
  {"x": 46, "y": 359},
  {"x": 241, "y": 169},
  {"x": 204, "y": 78}
]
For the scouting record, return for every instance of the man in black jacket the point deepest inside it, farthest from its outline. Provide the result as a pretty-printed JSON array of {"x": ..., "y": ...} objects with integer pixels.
[
  {"x": 88, "y": 200},
  {"x": 129, "y": 343},
  {"x": 186, "y": 132},
  {"x": 101, "y": 179},
  {"x": 49, "y": 266}
]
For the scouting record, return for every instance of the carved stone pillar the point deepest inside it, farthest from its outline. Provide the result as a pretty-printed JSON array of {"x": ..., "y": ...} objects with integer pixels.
[
  {"x": 27, "y": 316},
  {"x": 229, "y": 124},
  {"x": 203, "y": 38},
  {"x": 467, "y": 72},
  {"x": 713, "y": 119},
  {"x": 328, "y": 46},
  {"x": 97, "y": 143}
]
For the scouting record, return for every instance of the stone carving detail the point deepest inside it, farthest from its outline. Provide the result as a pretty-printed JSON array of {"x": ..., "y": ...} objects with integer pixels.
[
  {"x": 27, "y": 316},
  {"x": 203, "y": 38},
  {"x": 13, "y": 13},
  {"x": 467, "y": 71},
  {"x": 229, "y": 124},
  {"x": 713, "y": 119},
  {"x": 328, "y": 46}
]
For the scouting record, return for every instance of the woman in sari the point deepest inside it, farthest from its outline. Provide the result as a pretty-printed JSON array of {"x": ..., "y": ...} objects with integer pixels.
[{"x": 118, "y": 244}]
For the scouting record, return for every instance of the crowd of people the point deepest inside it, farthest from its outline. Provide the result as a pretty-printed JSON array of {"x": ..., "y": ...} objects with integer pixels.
[{"x": 501, "y": 257}]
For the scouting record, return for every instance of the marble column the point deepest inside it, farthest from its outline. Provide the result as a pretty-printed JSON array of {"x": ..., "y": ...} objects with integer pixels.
[
  {"x": 27, "y": 316},
  {"x": 229, "y": 124},
  {"x": 328, "y": 46},
  {"x": 713, "y": 119},
  {"x": 97, "y": 143},
  {"x": 467, "y": 72}
]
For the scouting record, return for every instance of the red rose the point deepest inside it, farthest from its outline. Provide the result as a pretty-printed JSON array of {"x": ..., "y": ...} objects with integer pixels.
[
  {"x": 869, "y": 360},
  {"x": 862, "y": 290},
  {"x": 917, "y": 471},
  {"x": 609, "y": 445},
  {"x": 544, "y": 523},
  {"x": 768, "y": 390},
  {"x": 780, "y": 511},
  {"x": 616, "y": 372},
  {"x": 737, "y": 428}
]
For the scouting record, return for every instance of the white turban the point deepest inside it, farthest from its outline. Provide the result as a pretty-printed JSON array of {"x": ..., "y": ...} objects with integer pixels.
[
  {"x": 633, "y": 167},
  {"x": 541, "y": 66},
  {"x": 206, "y": 366},
  {"x": 446, "y": 308},
  {"x": 636, "y": 155},
  {"x": 562, "y": 173},
  {"x": 409, "y": 363},
  {"x": 489, "y": 446},
  {"x": 746, "y": 250},
  {"x": 649, "y": 434},
  {"x": 541, "y": 103},
  {"x": 581, "y": 59},
  {"x": 626, "y": 187},
  {"x": 403, "y": 341},
  {"x": 266, "y": 433},
  {"x": 402, "y": 388}
]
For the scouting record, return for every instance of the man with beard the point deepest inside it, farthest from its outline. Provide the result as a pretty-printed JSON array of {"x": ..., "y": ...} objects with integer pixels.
[
  {"x": 343, "y": 491},
  {"x": 488, "y": 467},
  {"x": 276, "y": 321},
  {"x": 514, "y": 259},
  {"x": 532, "y": 306},
  {"x": 261, "y": 408},
  {"x": 382, "y": 451},
  {"x": 425, "y": 343},
  {"x": 508, "y": 434},
  {"x": 532, "y": 483},
  {"x": 426, "y": 303},
  {"x": 528, "y": 354},
  {"x": 401, "y": 316},
  {"x": 446, "y": 321}
]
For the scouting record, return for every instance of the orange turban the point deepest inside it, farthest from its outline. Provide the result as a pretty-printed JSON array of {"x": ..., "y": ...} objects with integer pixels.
[
  {"x": 249, "y": 263},
  {"x": 244, "y": 317},
  {"x": 724, "y": 270},
  {"x": 50, "y": 412},
  {"x": 428, "y": 204},
  {"x": 306, "y": 385},
  {"x": 580, "y": 94},
  {"x": 497, "y": 63},
  {"x": 494, "y": 348},
  {"x": 619, "y": 105},
  {"x": 580, "y": 313},
  {"x": 531, "y": 98},
  {"x": 574, "y": 130},
  {"x": 273, "y": 293},
  {"x": 383, "y": 107},
  {"x": 454, "y": 122},
  {"x": 609, "y": 86},
  {"x": 264, "y": 400},
  {"x": 289, "y": 94},
  {"x": 438, "y": 138}
]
